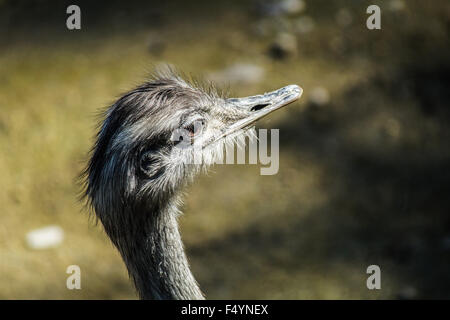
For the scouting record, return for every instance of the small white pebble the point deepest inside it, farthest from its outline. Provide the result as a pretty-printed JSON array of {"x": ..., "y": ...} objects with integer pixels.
[
  {"x": 319, "y": 96},
  {"x": 43, "y": 238}
]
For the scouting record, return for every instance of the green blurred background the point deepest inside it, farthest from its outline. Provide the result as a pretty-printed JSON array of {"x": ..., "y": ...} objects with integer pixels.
[{"x": 364, "y": 158}]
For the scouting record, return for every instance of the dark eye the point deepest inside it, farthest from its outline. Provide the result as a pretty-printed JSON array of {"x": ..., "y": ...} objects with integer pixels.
[{"x": 195, "y": 128}]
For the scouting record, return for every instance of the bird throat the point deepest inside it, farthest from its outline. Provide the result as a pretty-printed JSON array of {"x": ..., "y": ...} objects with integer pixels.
[{"x": 155, "y": 257}]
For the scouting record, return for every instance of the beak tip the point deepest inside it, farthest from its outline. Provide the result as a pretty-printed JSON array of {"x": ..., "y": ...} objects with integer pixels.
[
  {"x": 297, "y": 90},
  {"x": 292, "y": 92}
]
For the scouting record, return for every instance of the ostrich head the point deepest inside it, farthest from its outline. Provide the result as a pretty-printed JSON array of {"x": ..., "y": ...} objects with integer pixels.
[{"x": 146, "y": 150}]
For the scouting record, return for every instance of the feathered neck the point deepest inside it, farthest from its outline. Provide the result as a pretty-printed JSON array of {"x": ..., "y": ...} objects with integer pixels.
[{"x": 154, "y": 255}]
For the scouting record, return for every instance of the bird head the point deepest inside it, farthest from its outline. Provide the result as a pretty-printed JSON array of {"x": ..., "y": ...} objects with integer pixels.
[{"x": 151, "y": 138}]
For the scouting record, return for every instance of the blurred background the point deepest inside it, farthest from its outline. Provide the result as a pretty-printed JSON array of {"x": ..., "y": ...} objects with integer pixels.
[{"x": 364, "y": 155}]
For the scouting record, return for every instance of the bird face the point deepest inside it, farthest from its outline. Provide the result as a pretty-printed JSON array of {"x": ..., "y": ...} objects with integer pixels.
[{"x": 152, "y": 138}]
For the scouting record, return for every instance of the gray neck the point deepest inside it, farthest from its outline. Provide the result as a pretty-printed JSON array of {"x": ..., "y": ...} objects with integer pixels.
[{"x": 155, "y": 257}]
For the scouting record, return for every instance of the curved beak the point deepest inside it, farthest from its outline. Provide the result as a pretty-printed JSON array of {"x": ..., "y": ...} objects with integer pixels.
[{"x": 259, "y": 106}]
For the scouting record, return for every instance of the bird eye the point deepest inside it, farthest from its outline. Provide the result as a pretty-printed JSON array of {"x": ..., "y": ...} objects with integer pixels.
[{"x": 194, "y": 128}]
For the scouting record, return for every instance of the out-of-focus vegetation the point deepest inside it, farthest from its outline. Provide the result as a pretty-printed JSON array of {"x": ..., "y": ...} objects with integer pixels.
[{"x": 364, "y": 159}]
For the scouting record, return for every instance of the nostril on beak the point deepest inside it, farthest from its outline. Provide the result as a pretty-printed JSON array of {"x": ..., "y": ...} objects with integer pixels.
[{"x": 259, "y": 107}]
